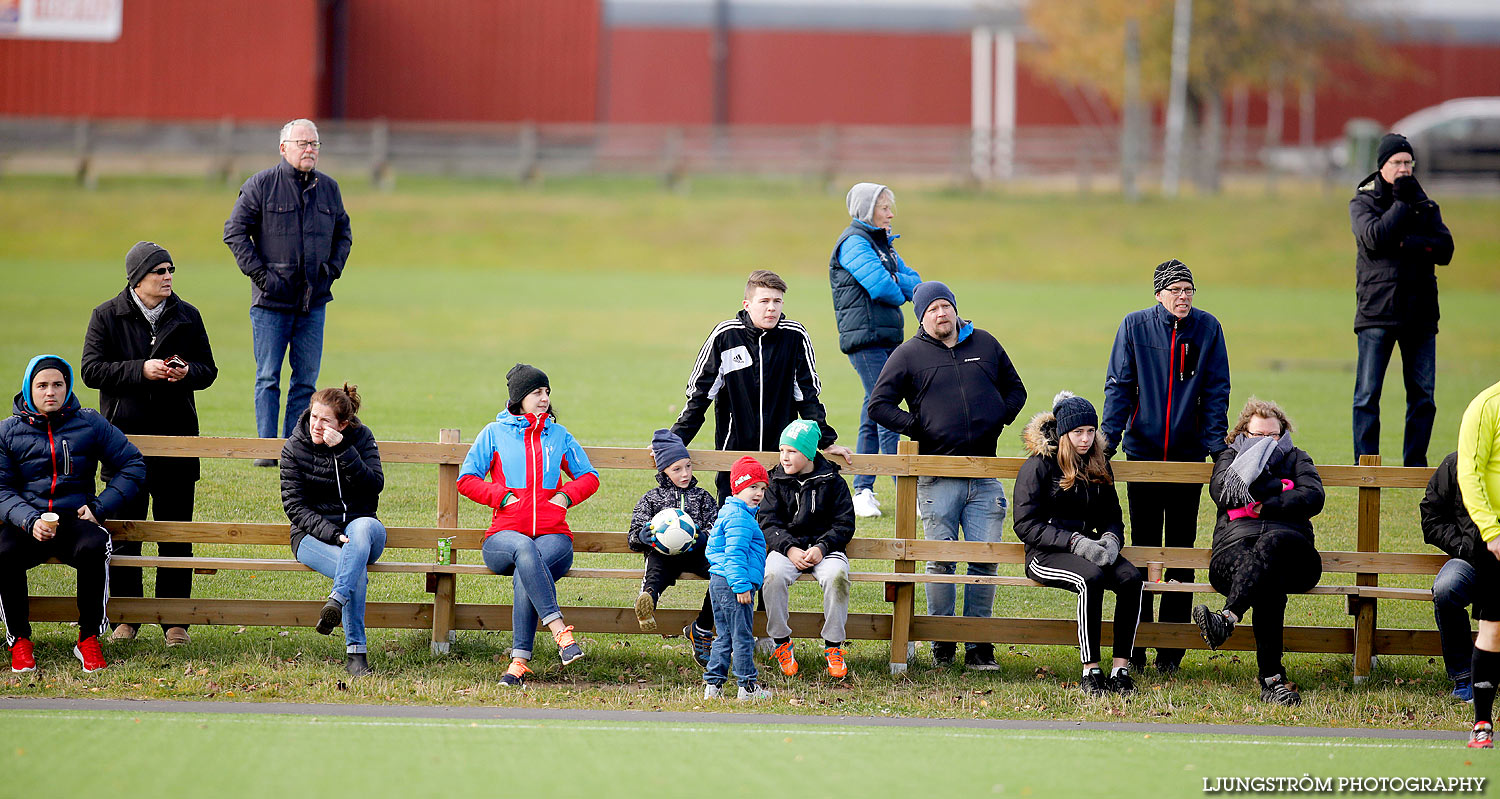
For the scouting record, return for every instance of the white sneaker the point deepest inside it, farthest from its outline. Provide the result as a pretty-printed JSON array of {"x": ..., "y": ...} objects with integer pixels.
[
  {"x": 865, "y": 504},
  {"x": 711, "y": 691},
  {"x": 755, "y": 694}
]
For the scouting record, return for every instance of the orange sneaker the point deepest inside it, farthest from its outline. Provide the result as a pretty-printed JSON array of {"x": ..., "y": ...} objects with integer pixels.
[
  {"x": 837, "y": 668},
  {"x": 785, "y": 658},
  {"x": 568, "y": 649},
  {"x": 516, "y": 674}
]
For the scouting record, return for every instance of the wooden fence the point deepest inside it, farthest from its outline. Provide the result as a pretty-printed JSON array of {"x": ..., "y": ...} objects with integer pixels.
[{"x": 1363, "y": 639}]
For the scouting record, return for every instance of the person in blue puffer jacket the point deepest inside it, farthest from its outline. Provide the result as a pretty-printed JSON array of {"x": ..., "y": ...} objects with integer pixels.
[
  {"x": 870, "y": 283},
  {"x": 50, "y": 450},
  {"x": 736, "y": 567}
]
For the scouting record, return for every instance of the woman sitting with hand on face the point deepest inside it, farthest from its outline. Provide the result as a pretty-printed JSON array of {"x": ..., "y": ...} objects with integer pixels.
[{"x": 330, "y": 486}]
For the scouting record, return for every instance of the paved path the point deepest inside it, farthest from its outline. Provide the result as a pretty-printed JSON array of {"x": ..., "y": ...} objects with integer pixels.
[{"x": 766, "y": 719}]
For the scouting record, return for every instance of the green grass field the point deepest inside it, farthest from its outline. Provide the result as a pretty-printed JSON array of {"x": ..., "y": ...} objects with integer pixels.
[
  {"x": 260, "y": 755},
  {"x": 610, "y": 287}
]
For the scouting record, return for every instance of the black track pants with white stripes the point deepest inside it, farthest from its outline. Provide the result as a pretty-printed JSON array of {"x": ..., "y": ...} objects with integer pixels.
[
  {"x": 83, "y": 545},
  {"x": 1068, "y": 571}
]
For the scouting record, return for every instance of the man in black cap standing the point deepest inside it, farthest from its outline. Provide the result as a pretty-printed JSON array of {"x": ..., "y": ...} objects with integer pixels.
[
  {"x": 147, "y": 351},
  {"x": 1172, "y": 408},
  {"x": 1399, "y": 240}
]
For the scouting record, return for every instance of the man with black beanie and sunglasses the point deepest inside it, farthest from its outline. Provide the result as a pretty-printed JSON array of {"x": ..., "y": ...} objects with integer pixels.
[
  {"x": 1166, "y": 398},
  {"x": 147, "y": 352}
]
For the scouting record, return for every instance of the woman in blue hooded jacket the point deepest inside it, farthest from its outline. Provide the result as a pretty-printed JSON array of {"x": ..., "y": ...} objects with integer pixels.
[{"x": 870, "y": 283}]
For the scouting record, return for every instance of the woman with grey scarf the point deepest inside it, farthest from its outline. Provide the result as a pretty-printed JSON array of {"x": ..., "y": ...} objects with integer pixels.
[{"x": 1267, "y": 491}]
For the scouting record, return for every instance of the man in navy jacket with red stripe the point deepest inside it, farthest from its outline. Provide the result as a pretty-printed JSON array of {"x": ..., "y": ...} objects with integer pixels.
[{"x": 1166, "y": 398}]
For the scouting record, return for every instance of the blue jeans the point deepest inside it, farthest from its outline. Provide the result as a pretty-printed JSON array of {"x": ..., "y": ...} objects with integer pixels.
[
  {"x": 733, "y": 622},
  {"x": 347, "y": 566},
  {"x": 873, "y": 439},
  {"x": 1418, "y": 369},
  {"x": 537, "y": 564},
  {"x": 977, "y": 505},
  {"x": 1452, "y": 592},
  {"x": 274, "y": 334}
]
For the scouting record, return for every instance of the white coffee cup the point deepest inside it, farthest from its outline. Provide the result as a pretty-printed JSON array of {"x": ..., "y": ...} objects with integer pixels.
[{"x": 51, "y": 518}]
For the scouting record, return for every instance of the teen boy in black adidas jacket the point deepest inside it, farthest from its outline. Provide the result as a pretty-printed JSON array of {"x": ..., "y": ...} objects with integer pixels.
[{"x": 759, "y": 372}]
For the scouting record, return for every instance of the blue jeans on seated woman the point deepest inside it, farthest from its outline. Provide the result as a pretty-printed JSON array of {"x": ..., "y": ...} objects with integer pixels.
[
  {"x": 537, "y": 564},
  {"x": 347, "y": 566}
]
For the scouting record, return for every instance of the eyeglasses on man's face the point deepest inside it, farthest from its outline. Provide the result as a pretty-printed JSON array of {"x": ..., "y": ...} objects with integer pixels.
[
  {"x": 303, "y": 144},
  {"x": 1187, "y": 292},
  {"x": 162, "y": 270}
]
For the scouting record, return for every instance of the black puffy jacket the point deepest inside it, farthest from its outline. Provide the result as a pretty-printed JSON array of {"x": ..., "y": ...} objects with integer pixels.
[
  {"x": 1445, "y": 521},
  {"x": 1398, "y": 245},
  {"x": 810, "y": 509},
  {"x": 290, "y": 236},
  {"x": 863, "y": 320},
  {"x": 1046, "y": 516},
  {"x": 1280, "y": 510},
  {"x": 119, "y": 341},
  {"x": 324, "y": 488},
  {"x": 48, "y": 463}
]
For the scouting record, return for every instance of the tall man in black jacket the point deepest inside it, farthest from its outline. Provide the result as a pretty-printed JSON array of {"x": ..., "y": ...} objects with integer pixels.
[
  {"x": 1400, "y": 238},
  {"x": 960, "y": 390},
  {"x": 290, "y": 236},
  {"x": 147, "y": 351},
  {"x": 1447, "y": 526}
]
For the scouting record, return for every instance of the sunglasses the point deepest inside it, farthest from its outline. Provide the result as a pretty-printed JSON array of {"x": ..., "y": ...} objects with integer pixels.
[{"x": 162, "y": 270}]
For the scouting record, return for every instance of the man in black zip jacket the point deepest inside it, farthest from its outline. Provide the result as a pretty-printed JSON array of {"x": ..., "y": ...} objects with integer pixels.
[
  {"x": 1446, "y": 525},
  {"x": 960, "y": 390},
  {"x": 50, "y": 449},
  {"x": 1399, "y": 239},
  {"x": 290, "y": 235},
  {"x": 1166, "y": 398},
  {"x": 759, "y": 372},
  {"x": 147, "y": 351}
]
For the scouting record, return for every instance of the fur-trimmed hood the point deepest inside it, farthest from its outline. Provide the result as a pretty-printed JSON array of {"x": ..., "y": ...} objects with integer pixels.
[{"x": 1040, "y": 435}]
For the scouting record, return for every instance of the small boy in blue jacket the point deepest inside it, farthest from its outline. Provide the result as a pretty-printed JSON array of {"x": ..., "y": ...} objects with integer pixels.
[{"x": 736, "y": 566}]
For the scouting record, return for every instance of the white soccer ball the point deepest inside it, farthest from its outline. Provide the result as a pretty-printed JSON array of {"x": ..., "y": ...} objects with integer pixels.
[{"x": 674, "y": 531}]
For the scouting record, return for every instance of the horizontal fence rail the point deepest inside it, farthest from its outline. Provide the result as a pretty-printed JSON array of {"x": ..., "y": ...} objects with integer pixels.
[{"x": 905, "y": 552}]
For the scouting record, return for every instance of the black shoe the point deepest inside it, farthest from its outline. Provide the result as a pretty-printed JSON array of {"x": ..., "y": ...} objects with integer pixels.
[
  {"x": 330, "y": 617},
  {"x": 702, "y": 640},
  {"x": 1214, "y": 627},
  {"x": 1277, "y": 691},
  {"x": 1094, "y": 684},
  {"x": 357, "y": 664},
  {"x": 1168, "y": 667},
  {"x": 1138, "y": 661},
  {"x": 263, "y": 462},
  {"x": 943, "y": 653},
  {"x": 1121, "y": 683},
  {"x": 981, "y": 658}
]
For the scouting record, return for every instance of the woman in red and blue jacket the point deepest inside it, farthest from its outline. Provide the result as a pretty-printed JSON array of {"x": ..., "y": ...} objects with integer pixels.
[{"x": 525, "y": 454}]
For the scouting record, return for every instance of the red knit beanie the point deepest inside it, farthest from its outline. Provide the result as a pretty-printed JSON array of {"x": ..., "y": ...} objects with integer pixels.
[{"x": 746, "y": 471}]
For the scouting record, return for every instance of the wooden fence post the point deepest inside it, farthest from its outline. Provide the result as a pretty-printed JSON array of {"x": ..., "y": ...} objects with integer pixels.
[
  {"x": 904, "y": 594},
  {"x": 1367, "y": 540},
  {"x": 443, "y": 597}
]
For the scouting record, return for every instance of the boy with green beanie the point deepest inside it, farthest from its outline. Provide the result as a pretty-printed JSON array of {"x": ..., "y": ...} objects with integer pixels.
[{"x": 808, "y": 518}]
